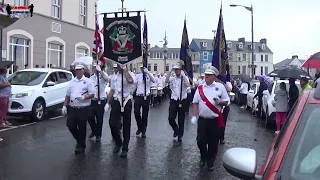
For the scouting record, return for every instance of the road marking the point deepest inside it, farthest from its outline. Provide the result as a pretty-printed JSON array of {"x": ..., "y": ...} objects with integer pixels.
[
  {"x": 56, "y": 117},
  {"x": 15, "y": 127},
  {"x": 1, "y": 139}
]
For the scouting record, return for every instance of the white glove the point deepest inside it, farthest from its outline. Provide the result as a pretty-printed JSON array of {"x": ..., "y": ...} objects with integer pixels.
[
  {"x": 64, "y": 110},
  {"x": 123, "y": 66},
  {"x": 80, "y": 98},
  {"x": 216, "y": 100},
  {"x": 98, "y": 68},
  {"x": 106, "y": 107},
  {"x": 145, "y": 70},
  {"x": 194, "y": 120}
]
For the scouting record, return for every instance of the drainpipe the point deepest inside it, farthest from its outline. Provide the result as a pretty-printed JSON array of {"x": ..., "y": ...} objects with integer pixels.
[{"x": 1, "y": 34}]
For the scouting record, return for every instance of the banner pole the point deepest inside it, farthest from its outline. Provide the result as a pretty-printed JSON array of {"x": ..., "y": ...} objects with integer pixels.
[
  {"x": 97, "y": 54},
  {"x": 122, "y": 100}
]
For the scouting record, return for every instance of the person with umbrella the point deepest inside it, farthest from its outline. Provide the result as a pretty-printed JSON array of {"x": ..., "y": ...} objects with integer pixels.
[
  {"x": 304, "y": 83},
  {"x": 293, "y": 92},
  {"x": 263, "y": 86}
]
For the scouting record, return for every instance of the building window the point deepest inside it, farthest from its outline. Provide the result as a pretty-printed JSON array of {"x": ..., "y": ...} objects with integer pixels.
[
  {"x": 229, "y": 44},
  {"x": 205, "y": 55},
  {"x": 167, "y": 67},
  {"x": 239, "y": 56},
  {"x": 161, "y": 55},
  {"x": 196, "y": 68},
  {"x": 149, "y": 67},
  {"x": 19, "y": 52},
  {"x": 81, "y": 52},
  {"x": 56, "y": 9},
  {"x": 266, "y": 58},
  {"x": 261, "y": 58},
  {"x": 230, "y": 56},
  {"x": 169, "y": 55},
  {"x": 155, "y": 67},
  {"x": 83, "y": 12},
  {"x": 239, "y": 69},
  {"x": 55, "y": 54},
  {"x": 177, "y": 56},
  {"x": 244, "y": 57},
  {"x": 230, "y": 69},
  {"x": 263, "y": 46},
  {"x": 21, "y": 2},
  {"x": 157, "y": 55},
  {"x": 244, "y": 69},
  {"x": 266, "y": 70},
  {"x": 240, "y": 45},
  {"x": 261, "y": 69}
]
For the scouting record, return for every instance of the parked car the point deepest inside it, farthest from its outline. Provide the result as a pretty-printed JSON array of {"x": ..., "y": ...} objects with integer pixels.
[
  {"x": 36, "y": 90},
  {"x": 107, "y": 89},
  {"x": 294, "y": 152},
  {"x": 268, "y": 110},
  {"x": 252, "y": 103}
]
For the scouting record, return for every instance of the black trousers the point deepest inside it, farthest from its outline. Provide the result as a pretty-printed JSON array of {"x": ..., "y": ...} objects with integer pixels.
[
  {"x": 115, "y": 123},
  {"x": 77, "y": 124},
  {"x": 96, "y": 112},
  {"x": 243, "y": 98},
  {"x": 142, "y": 121},
  {"x": 208, "y": 138},
  {"x": 225, "y": 114},
  {"x": 259, "y": 106},
  {"x": 175, "y": 110}
]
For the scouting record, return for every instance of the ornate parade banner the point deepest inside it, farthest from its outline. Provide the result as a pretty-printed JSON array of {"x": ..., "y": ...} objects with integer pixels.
[{"x": 122, "y": 38}]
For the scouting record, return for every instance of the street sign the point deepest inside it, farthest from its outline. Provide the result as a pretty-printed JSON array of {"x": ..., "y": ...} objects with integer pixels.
[{"x": 250, "y": 66}]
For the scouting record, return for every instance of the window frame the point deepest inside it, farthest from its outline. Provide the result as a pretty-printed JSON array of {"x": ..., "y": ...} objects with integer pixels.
[
  {"x": 83, "y": 12},
  {"x": 56, "y": 5}
]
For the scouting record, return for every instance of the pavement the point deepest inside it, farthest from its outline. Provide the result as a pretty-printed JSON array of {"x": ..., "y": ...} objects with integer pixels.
[{"x": 45, "y": 150}]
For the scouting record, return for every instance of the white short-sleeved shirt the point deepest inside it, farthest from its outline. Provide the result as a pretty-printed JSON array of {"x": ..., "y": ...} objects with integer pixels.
[
  {"x": 103, "y": 85},
  {"x": 210, "y": 91},
  {"x": 141, "y": 85},
  {"x": 244, "y": 88},
  {"x": 116, "y": 84},
  {"x": 79, "y": 87},
  {"x": 175, "y": 86}
]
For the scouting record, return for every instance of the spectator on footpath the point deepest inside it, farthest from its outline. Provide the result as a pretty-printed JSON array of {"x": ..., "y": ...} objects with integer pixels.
[
  {"x": 281, "y": 104},
  {"x": 5, "y": 93}
]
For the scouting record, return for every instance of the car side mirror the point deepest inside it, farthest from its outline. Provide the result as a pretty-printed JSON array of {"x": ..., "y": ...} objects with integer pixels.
[
  {"x": 50, "y": 83},
  {"x": 265, "y": 92},
  {"x": 251, "y": 91},
  {"x": 241, "y": 162}
]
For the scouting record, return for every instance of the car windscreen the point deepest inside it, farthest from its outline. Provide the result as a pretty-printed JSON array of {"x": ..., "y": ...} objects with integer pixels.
[
  {"x": 302, "y": 159},
  {"x": 287, "y": 87},
  {"x": 27, "y": 78}
]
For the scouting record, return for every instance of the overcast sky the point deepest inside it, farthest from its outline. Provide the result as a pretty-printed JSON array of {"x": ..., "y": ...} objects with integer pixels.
[{"x": 291, "y": 27}]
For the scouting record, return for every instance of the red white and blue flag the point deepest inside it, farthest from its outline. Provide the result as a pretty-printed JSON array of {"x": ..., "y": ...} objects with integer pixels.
[{"x": 97, "y": 43}]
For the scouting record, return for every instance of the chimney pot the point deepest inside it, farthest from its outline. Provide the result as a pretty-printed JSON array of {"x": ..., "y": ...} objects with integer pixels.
[
  {"x": 243, "y": 40},
  {"x": 263, "y": 41},
  {"x": 295, "y": 57}
]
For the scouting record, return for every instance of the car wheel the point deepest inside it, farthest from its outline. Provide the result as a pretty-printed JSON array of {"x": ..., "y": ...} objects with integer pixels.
[{"x": 38, "y": 110}]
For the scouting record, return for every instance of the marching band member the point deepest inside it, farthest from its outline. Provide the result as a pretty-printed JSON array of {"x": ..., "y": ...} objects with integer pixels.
[
  {"x": 159, "y": 86},
  {"x": 121, "y": 106},
  {"x": 201, "y": 80},
  {"x": 207, "y": 103},
  {"x": 153, "y": 85},
  {"x": 178, "y": 102},
  {"x": 96, "y": 109},
  {"x": 79, "y": 93},
  {"x": 142, "y": 100}
]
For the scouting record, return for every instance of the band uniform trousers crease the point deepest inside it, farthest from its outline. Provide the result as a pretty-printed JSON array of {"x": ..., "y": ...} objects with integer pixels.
[
  {"x": 115, "y": 123},
  {"x": 208, "y": 138},
  {"x": 96, "y": 112},
  {"x": 174, "y": 109},
  {"x": 142, "y": 121},
  {"x": 77, "y": 123}
]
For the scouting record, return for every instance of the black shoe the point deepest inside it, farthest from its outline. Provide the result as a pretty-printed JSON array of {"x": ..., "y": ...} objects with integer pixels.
[
  {"x": 143, "y": 135},
  {"x": 222, "y": 141},
  {"x": 98, "y": 139},
  {"x": 138, "y": 132},
  {"x": 202, "y": 163},
  {"x": 124, "y": 154},
  {"x": 116, "y": 149},
  {"x": 179, "y": 139},
  {"x": 79, "y": 149},
  {"x": 175, "y": 134},
  {"x": 210, "y": 165},
  {"x": 91, "y": 135}
]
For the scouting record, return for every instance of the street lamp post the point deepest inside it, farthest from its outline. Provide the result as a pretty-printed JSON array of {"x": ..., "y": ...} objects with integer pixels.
[
  {"x": 165, "y": 51},
  {"x": 252, "y": 40}
]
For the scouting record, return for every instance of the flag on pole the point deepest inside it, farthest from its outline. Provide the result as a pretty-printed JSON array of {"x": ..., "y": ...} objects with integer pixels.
[
  {"x": 220, "y": 52},
  {"x": 145, "y": 43},
  {"x": 185, "y": 56},
  {"x": 102, "y": 31},
  {"x": 97, "y": 43}
]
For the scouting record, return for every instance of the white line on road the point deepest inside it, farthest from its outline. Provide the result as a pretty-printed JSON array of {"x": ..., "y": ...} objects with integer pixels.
[
  {"x": 15, "y": 127},
  {"x": 1, "y": 139},
  {"x": 56, "y": 117}
]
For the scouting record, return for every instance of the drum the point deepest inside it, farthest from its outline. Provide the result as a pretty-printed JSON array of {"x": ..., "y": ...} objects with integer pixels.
[
  {"x": 154, "y": 91},
  {"x": 160, "y": 91}
]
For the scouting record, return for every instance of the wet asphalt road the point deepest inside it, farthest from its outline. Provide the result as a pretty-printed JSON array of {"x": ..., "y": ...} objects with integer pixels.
[{"x": 45, "y": 151}]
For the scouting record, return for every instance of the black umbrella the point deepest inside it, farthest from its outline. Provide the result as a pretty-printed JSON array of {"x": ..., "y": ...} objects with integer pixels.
[
  {"x": 5, "y": 64},
  {"x": 289, "y": 72},
  {"x": 245, "y": 78}
]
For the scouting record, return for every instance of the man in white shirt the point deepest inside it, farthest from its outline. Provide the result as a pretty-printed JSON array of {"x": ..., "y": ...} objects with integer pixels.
[
  {"x": 179, "y": 101},
  {"x": 96, "y": 109},
  {"x": 142, "y": 99},
  {"x": 207, "y": 104},
  {"x": 76, "y": 104},
  {"x": 121, "y": 106},
  {"x": 244, "y": 90}
]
